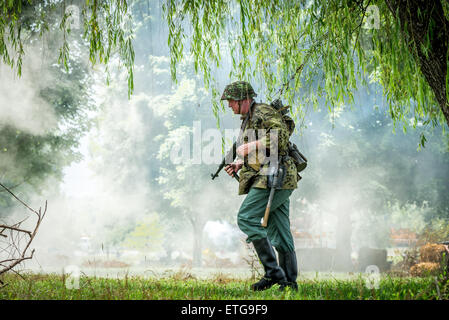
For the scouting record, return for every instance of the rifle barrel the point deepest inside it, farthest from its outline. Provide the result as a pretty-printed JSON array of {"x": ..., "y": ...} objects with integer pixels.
[{"x": 230, "y": 156}]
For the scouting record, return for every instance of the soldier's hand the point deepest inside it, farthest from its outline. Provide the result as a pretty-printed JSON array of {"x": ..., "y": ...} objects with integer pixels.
[{"x": 234, "y": 167}]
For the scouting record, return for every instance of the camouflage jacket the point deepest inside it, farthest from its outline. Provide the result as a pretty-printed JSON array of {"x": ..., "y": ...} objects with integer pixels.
[{"x": 264, "y": 119}]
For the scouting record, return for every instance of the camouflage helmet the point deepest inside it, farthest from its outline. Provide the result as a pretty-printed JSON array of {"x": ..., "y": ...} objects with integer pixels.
[{"x": 238, "y": 90}]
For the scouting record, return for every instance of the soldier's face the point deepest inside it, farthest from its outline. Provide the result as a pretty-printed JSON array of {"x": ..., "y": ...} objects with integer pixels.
[{"x": 234, "y": 105}]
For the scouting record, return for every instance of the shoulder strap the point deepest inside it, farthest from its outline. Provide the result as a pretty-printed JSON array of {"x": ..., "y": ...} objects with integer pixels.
[{"x": 242, "y": 128}]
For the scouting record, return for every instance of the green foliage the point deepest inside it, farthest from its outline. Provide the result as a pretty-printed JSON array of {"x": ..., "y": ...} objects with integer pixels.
[
  {"x": 312, "y": 48},
  {"x": 106, "y": 30},
  {"x": 117, "y": 232},
  {"x": 147, "y": 235},
  {"x": 437, "y": 230},
  {"x": 409, "y": 216},
  {"x": 11, "y": 29},
  {"x": 28, "y": 158}
]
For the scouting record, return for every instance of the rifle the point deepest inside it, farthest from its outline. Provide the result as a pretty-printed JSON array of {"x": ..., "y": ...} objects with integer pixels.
[{"x": 232, "y": 153}]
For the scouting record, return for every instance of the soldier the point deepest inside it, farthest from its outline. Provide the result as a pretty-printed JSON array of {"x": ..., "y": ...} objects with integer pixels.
[{"x": 253, "y": 182}]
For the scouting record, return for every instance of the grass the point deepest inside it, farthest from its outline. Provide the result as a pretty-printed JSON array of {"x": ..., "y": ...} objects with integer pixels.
[{"x": 183, "y": 286}]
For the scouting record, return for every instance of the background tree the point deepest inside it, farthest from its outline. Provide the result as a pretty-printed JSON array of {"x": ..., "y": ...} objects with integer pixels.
[
  {"x": 33, "y": 151},
  {"x": 147, "y": 235},
  {"x": 186, "y": 183}
]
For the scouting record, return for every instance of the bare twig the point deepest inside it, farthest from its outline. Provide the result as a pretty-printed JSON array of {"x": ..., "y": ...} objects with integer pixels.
[
  {"x": 253, "y": 261},
  {"x": 10, "y": 192},
  {"x": 12, "y": 252},
  {"x": 13, "y": 187},
  {"x": 15, "y": 229}
]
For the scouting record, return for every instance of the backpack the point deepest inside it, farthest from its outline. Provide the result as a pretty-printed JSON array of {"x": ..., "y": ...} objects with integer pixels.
[{"x": 293, "y": 152}]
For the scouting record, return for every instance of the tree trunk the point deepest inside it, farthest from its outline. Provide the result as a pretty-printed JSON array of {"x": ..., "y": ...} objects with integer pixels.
[
  {"x": 420, "y": 20},
  {"x": 344, "y": 232},
  {"x": 198, "y": 226}
]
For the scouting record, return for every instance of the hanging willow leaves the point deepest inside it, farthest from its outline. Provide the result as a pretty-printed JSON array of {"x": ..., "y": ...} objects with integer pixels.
[
  {"x": 405, "y": 51},
  {"x": 343, "y": 46},
  {"x": 106, "y": 29}
]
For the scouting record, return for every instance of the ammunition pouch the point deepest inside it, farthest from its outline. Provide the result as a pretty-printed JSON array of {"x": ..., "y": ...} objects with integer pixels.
[{"x": 298, "y": 158}]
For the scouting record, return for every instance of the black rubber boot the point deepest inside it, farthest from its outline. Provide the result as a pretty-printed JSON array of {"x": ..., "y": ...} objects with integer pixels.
[
  {"x": 288, "y": 263},
  {"x": 273, "y": 273}
]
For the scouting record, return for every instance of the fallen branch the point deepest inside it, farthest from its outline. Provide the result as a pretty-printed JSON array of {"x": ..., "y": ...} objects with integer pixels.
[
  {"x": 13, "y": 228},
  {"x": 15, "y": 255}
]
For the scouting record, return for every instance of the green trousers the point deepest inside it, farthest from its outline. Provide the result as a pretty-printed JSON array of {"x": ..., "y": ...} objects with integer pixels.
[{"x": 252, "y": 211}]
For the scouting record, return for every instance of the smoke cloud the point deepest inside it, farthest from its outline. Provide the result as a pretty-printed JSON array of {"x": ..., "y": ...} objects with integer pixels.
[{"x": 20, "y": 104}]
